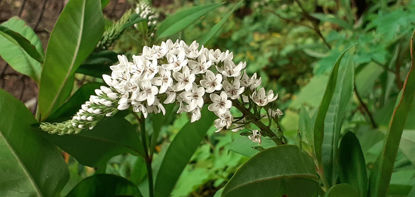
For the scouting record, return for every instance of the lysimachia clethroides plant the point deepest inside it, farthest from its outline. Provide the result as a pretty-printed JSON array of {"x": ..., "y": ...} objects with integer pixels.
[{"x": 188, "y": 75}]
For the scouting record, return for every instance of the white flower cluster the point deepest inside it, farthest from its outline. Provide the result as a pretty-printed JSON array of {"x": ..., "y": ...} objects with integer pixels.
[
  {"x": 145, "y": 11},
  {"x": 175, "y": 72}
]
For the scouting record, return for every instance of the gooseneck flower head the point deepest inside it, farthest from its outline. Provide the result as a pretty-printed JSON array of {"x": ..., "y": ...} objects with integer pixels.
[{"x": 175, "y": 72}]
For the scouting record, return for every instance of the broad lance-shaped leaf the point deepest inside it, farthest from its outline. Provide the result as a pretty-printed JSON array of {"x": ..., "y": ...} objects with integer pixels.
[
  {"x": 110, "y": 137},
  {"x": 342, "y": 190},
  {"x": 277, "y": 171},
  {"x": 105, "y": 185},
  {"x": 183, "y": 18},
  {"x": 324, "y": 106},
  {"x": 29, "y": 165},
  {"x": 381, "y": 174},
  {"x": 352, "y": 164},
  {"x": 216, "y": 28},
  {"x": 159, "y": 120},
  {"x": 73, "y": 38},
  {"x": 334, "y": 118},
  {"x": 180, "y": 151},
  {"x": 21, "y": 48}
]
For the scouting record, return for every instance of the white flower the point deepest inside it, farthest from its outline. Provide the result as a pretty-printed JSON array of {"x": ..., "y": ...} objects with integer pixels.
[
  {"x": 230, "y": 69},
  {"x": 156, "y": 108},
  {"x": 261, "y": 99},
  {"x": 271, "y": 97},
  {"x": 224, "y": 121},
  {"x": 220, "y": 103},
  {"x": 245, "y": 80},
  {"x": 171, "y": 96},
  {"x": 215, "y": 55},
  {"x": 184, "y": 79},
  {"x": 233, "y": 90},
  {"x": 255, "y": 136},
  {"x": 194, "y": 98},
  {"x": 138, "y": 66},
  {"x": 275, "y": 113},
  {"x": 164, "y": 80},
  {"x": 195, "y": 114},
  {"x": 211, "y": 82},
  {"x": 255, "y": 82},
  {"x": 192, "y": 50},
  {"x": 150, "y": 69},
  {"x": 148, "y": 92},
  {"x": 139, "y": 107},
  {"x": 176, "y": 61},
  {"x": 123, "y": 103},
  {"x": 200, "y": 66}
]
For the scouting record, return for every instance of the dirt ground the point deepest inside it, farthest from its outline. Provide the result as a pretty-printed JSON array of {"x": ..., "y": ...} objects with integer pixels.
[{"x": 41, "y": 15}]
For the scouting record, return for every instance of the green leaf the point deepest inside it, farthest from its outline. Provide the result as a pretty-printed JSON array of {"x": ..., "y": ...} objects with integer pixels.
[
  {"x": 21, "y": 42},
  {"x": 407, "y": 145},
  {"x": 381, "y": 174},
  {"x": 104, "y": 185},
  {"x": 21, "y": 48},
  {"x": 68, "y": 109},
  {"x": 334, "y": 118},
  {"x": 159, "y": 120},
  {"x": 352, "y": 164},
  {"x": 342, "y": 190},
  {"x": 29, "y": 165},
  {"x": 98, "y": 63},
  {"x": 332, "y": 19},
  {"x": 180, "y": 151},
  {"x": 277, "y": 171},
  {"x": 110, "y": 137},
  {"x": 324, "y": 107},
  {"x": 216, "y": 28},
  {"x": 305, "y": 125},
  {"x": 75, "y": 35},
  {"x": 183, "y": 18}
]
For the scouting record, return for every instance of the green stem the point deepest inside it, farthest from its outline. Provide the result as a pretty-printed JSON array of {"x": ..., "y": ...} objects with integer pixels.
[
  {"x": 147, "y": 158},
  {"x": 258, "y": 123}
]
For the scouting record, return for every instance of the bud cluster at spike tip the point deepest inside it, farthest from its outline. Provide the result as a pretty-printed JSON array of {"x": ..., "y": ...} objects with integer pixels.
[
  {"x": 172, "y": 72},
  {"x": 145, "y": 11}
]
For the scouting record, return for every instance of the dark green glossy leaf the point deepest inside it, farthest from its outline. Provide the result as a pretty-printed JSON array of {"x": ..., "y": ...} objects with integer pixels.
[
  {"x": 159, "y": 121},
  {"x": 98, "y": 63},
  {"x": 110, "y": 137},
  {"x": 342, "y": 190},
  {"x": 324, "y": 107},
  {"x": 21, "y": 48},
  {"x": 183, "y": 18},
  {"x": 104, "y": 185},
  {"x": 180, "y": 151},
  {"x": 75, "y": 35},
  {"x": 277, "y": 171},
  {"x": 29, "y": 165},
  {"x": 334, "y": 118},
  {"x": 352, "y": 164},
  {"x": 380, "y": 176},
  {"x": 68, "y": 109},
  {"x": 216, "y": 28}
]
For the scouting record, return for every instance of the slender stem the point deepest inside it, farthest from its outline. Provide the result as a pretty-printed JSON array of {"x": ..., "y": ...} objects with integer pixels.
[
  {"x": 315, "y": 24},
  {"x": 365, "y": 108},
  {"x": 258, "y": 123},
  {"x": 147, "y": 158}
]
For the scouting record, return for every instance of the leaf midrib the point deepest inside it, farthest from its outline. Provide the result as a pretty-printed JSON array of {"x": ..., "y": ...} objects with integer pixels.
[
  {"x": 72, "y": 62},
  {"x": 37, "y": 189}
]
